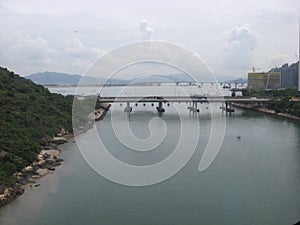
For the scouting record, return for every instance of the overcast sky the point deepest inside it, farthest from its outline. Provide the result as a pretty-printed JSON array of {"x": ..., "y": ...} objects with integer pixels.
[{"x": 67, "y": 36}]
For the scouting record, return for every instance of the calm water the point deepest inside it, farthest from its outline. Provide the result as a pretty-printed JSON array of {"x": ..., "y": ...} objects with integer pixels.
[{"x": 255, "y": 180}]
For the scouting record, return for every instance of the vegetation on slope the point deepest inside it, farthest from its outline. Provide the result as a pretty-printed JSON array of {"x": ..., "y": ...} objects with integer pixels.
[
  {"x": 282, "y": 100},
  {"x": 29, "y": 114}
]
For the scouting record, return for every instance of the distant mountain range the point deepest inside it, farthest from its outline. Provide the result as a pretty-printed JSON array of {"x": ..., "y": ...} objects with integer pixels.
[
  {"x": 54, "y": 78},
  {"x": 239, "y": 81}
]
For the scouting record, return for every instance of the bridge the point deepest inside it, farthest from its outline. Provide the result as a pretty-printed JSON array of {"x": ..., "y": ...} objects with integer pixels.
[{"x": 193, "y": 100}]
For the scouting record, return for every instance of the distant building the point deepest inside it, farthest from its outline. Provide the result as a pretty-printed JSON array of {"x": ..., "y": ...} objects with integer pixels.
[
  {"x": 263, "y": 81},
  {"x": 289, "y": 75}
]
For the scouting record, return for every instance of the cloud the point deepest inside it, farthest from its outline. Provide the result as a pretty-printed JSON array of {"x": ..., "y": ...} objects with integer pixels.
[
  {"x": 277, "y": 16},
  {"x": 146, "y": 30},
  {"x": 239, "y": 47},
  {"x": 26, "y": 54},
  {"x": 266, "y": 60},
  {"x": 102, "y": 24},
  {"x": 80, "y": 55},
  {"x": 21, "y": 51}
]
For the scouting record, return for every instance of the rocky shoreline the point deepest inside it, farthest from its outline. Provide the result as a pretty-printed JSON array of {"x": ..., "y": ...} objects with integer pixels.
[
  {"x": 93, "y": 117},
  {"x": 47, "y": 159},
  {"x": 267, "y": 111}
]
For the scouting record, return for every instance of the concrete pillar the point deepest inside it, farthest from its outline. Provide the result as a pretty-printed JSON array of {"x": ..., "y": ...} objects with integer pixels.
[
  {"x": 160, "y": 108},
  {"x": 128, "y": 109}
]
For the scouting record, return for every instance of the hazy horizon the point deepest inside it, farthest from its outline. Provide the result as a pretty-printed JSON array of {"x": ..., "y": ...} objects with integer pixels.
[{"x": 67, "y": 36}]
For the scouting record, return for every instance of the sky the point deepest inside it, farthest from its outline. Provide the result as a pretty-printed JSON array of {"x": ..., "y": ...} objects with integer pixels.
[{"x": 69, "y": 35}]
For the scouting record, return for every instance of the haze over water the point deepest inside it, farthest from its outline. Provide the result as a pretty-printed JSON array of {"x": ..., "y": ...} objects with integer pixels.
[{"x": 254, "y": 180}]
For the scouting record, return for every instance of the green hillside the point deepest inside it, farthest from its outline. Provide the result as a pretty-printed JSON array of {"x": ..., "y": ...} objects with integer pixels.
[
  {"x": 29, "y": 114},
  {"x": 282, "y": 100}
]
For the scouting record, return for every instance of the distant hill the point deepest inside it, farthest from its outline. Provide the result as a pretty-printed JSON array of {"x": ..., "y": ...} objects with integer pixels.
[
  {"x": 180, "y": 77},
  {"x": 54, "y": 78},
  {"x": 177, "y": 78},
  {"x": 48, "y": 78},
  {"x": 239, "y": 81},
  {"x": 183, "y": 78}
]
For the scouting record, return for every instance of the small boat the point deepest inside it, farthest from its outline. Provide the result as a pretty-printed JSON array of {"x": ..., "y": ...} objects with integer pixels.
[{"x": 238, "y": 137}]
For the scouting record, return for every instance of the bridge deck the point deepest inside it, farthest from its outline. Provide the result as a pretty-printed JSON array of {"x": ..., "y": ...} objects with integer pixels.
[{"x": 179, "y": 99}]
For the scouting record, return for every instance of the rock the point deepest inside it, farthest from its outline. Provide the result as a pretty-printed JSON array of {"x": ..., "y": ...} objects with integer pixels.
[
  {"x": 52, "y": 153},
  {"x": 42, "y": 172},
  {"x": 19, "y": 191},
  {"x": 6, "y": 192},
  {"x": 2, "y": 197},
  {"x": 56, "y": 164},
  {"x": 50, "y": 161},
  {"x": 42, "y": 162},
  {"x": 45, "y": 155},
  {"x": 35, "y": 164},
  {"x": 96, "y": 115},
  {"x": 28, "y": 169},
  {"x": 52, "y": 157},
  {"x": 50, "y": 168},
  {"x": 40, "y": 157},
  {"x": 105, "y": 106},
  {"x": 31, "y": 181},
  {"x": 62, "y": 132},
  {"x": 59, "y": 160},
  {"x": 58, "y": 140},
  {"x": 23, "y": 181}
]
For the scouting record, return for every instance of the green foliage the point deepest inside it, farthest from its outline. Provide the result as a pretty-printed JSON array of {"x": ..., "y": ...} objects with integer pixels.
[
  {"x": 285, "y": 106},
  {"x": 3, "y": 177},
  {"x": 272, "y": 93},
  {"x": 29, "y": 113},
  {"x": 9, "y": 168},
  {"x": 281, "y": 99}
]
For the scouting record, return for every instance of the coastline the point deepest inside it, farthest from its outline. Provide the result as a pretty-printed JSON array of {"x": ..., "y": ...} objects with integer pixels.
[
  {"x": 47, "y": 159},
  {"x": 266, "y": 111}
]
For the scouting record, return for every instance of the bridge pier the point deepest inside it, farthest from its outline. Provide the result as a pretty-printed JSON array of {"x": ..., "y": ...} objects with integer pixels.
[
  {"x": 160, "y": 108},
  {"x": 228, "y": 107},
  {"x": 193, "y": 108},
  {"x": 128, "y": 109},
  {"x": 196, "y": 107}
]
